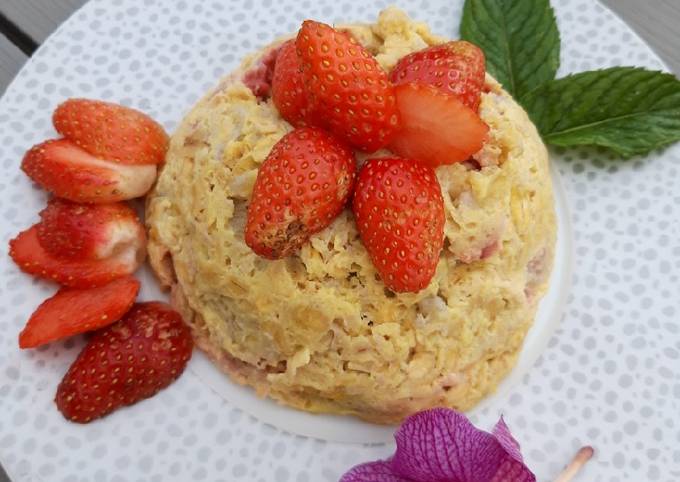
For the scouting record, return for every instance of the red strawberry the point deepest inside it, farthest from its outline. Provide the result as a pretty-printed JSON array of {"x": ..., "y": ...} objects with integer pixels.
[
  {"x": 347, "y": 87},
  {"x": 72, "y": 311},
  {"x": 288, "y": 88},
  {"x": 90, "y": 231},
  {"x": 301, "y": 187},
  {"x": 111, "y": 132},
  {"x": 32, "y": 258},
  {"x": 436, "y": 128},
  {"x": 68, "y": 171},
  {"x": 126, "y": 362},
  {"x": 454, "y": 68},
  {"x": 399, "y": 212}
]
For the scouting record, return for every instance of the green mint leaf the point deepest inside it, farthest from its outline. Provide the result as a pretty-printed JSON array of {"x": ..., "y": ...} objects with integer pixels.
[
  {"x": 519, "y": 38},
  {"x": 629, "y": 110}
]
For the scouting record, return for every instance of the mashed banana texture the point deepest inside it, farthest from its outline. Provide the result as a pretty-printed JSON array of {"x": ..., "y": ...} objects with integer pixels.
[{"x": 319, "y": 331}]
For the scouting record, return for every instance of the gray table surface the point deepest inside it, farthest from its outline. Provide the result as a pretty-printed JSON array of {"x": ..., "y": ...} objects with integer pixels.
[{"x": 25, "y": 24}]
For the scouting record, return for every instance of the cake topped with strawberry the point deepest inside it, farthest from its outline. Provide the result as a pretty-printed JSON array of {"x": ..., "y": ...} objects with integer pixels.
[{"x": 358, "y": 220}]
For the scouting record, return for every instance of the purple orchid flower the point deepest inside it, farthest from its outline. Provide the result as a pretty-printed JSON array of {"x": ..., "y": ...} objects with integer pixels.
[{"x": 441, "y": 445}]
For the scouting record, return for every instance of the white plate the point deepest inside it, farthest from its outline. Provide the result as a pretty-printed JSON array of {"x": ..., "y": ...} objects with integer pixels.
[{"x": 607, "y": 378}]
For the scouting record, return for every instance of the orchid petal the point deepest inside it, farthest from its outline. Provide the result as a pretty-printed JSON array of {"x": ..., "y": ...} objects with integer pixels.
[
  {"x": 380, "y": 471},
  {"x": 505, "y": 438},
  {"x": 442, "y": 445},
  {"x": 512, "y": 470}
]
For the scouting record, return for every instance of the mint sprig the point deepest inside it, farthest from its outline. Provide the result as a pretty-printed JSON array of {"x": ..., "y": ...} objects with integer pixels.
[
  {"x": 519, "y": 38},
  {"x": 629, "y": 110}
]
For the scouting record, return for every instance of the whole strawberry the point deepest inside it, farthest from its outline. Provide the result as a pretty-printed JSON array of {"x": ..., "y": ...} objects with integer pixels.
[
  {"x": 302, "y": 185},
  {"x": 454, "y": 67},
  {"x": 126, "y": 362},
  {"x": 289, "y": 93},
  {"x": 347, "y": 87},
  {"x": 399, "y": 212}
]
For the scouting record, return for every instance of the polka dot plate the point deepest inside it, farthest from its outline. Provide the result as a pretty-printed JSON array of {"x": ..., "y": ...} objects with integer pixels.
[{"x": 608, "y": 377}]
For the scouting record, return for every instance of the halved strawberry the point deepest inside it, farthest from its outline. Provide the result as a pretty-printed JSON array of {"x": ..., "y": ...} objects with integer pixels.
[
  {"x": 32, "y": 258},
  {"x": 347, "y": 87},
  {"x": 301, "y": 187},
  {"x": 111, "y": 131},
  {"x": 399, "y": 213},
  {"x": 68, "y": 171},
  {"x": 436, "y": 128},
  {"x": 73, "y": 311},
  {"x": 289, "y": 93},
  {"x": 454, "y": 68},
  {"x": 126, "y": 362},
  {"x": 89, "y": 231}
]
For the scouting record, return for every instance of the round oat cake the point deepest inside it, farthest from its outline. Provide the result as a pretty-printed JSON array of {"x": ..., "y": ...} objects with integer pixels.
[{"x": 319, "y": 331}]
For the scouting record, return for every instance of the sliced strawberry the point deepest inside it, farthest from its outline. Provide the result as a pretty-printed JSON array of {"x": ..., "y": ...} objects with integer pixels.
[
  {"x": 436, "y": 128},
  {"x": 454, "y": 68},
  {"x": 126, "y": 362},
  {"x": 111, "y": 132},
  {"x": 32, "y": 258},
  {"x": 302, "y": 186},
  {"x": 289, "y": 93},
  {"x": 399, "y": 213},
  {"x": 89, "y": 231},
  {"x": 68, "y": 171},
  {"x": 72, "y": 311},
  {"x": 347, "y": 87}
]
